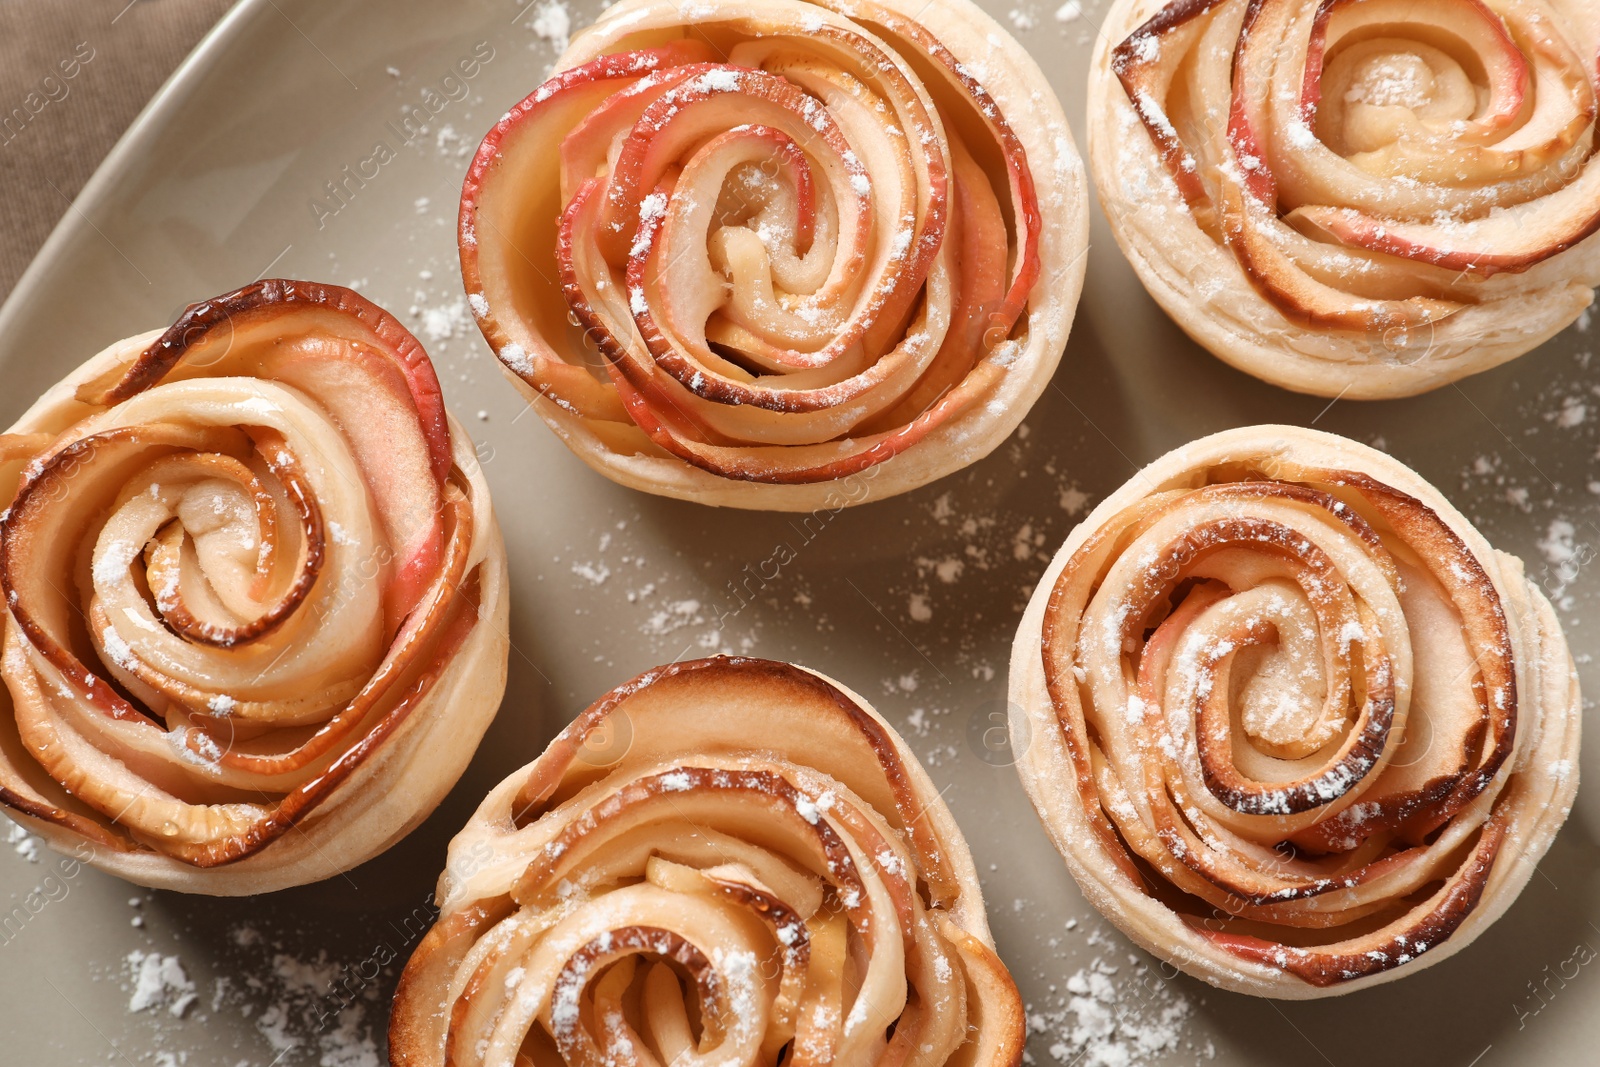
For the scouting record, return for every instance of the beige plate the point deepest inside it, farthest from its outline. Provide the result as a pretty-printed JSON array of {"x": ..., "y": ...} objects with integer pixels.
[{"x": 214, "y": 186}]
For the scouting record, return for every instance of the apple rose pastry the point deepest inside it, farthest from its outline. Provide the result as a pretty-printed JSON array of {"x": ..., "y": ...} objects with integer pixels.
[
  {"x": 728, "y": 861},
  {"x": 255, "y": 617},
  {"x": 1296, "y": 727},
  {"x": 736, "y": 253},
  {"x": 1369, "y": 199}
]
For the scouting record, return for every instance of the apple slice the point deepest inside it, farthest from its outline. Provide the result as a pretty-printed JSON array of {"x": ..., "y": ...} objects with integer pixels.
[
  {"x": 1302, "y": 298},
  {"x": 508, "y": 183},
  {"x": 372, "y": 376},
  {"x": 1146, "y": 62},
  {"x": 1389, "y": 946},
  {"x": 1464, "y": 28},
  {"x": 1508, "y": 241}
]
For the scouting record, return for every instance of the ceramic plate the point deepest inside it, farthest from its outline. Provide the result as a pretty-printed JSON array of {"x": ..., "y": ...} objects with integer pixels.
[{"x": 258, "y": 158}]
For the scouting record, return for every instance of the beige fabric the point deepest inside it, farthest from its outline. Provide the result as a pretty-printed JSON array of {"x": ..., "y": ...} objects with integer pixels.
[{"x": 72, "y": 77}]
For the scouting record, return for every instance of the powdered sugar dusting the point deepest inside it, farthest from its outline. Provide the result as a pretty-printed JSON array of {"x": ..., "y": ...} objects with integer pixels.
[
  {"x": 1117, "y": 1011},
  {"x": 159, "y": 982},
  {"x": 26, "y": 844},
  {"x": 552, "y": 23},
  {"x": 299, "y": 1008}
]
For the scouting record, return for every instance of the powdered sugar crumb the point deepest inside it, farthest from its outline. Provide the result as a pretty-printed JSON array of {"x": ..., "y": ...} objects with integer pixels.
[
  {"x": 552, "y": 23},
  {"x": 159, "y": 982},
  {"x": 444, "y": 321},
  {"x": 303, "y": 1009},
  {"x": 26, "y": 844},
  {"x": 1110, "y": 1014},
  {"x": 917, "y": 607}
]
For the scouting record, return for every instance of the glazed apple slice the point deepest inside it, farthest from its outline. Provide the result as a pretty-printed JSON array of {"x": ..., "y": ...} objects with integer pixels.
[
  {"x": 1507, "y": 241},
  {"x": 1146, "y": 63},
  {"x": 1300, "y": 297},
  {"x": 369, "y": 372},
  {"x": 807, "y": 463},
  {"x": 1023, "y": 192},
  {"x": 978, "y": 233},
  {"x": 585, "y": 150},
  {"x": 507, "y": 190}
]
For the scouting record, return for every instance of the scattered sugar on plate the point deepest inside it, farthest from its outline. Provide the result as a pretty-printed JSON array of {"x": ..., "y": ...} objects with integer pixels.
[
  {"x": 552, "y": 23},
  {"x": 593, "y": 573},
  {"x": 1574, "y": 410},
  {"x": 303, "y": 1009},
  {"x": 25, "y": 843},
  {"x": 1109, "y": 1014},
  {"x": 159, "y": 982},
  {"x": 1565, "y": 557},
  {"x": 444, "y": 321},
  {"x": 1074, "y": 501}
]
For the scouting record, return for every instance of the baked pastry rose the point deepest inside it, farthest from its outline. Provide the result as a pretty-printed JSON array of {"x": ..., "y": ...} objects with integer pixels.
[
  {"x": 727, "y": 861},
  {"x": 738, "y": 252},
  {"x": 1370, "y": 199},
  {"x": 1296, "y": 727},
  {"x": 255, "y": 617}
]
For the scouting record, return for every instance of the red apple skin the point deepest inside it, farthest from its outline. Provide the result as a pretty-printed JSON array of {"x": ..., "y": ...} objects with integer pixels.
[
  {"x": 1024, "y": 192},
  {"x": 1356, "y": 230},
  {"x": 1131, "y": 71},
  {"x": 1513, "y": 92},
  {"x": 629, "y": 180},
  {"x": 618, "y": 67},
  {"x": 396, "y": 363},
  {"x": 1364, "y": 231},
  {"x": 283, "y": 295},
  {"x": 1323, "y": 968},
  {"x": 1258, "y": 180}
]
